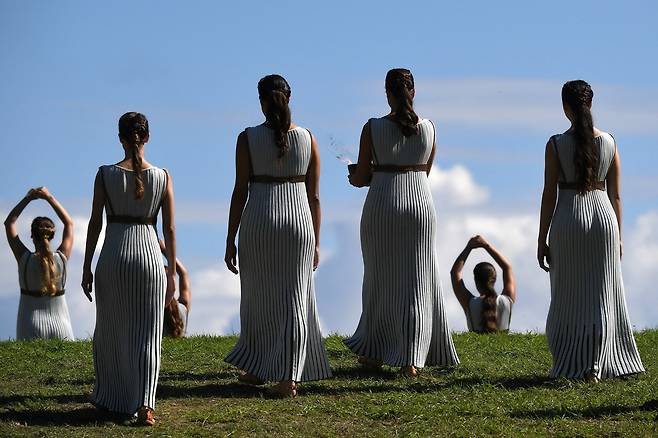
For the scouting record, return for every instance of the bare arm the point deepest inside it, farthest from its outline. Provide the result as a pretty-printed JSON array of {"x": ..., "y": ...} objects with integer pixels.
[
  {"x": 184, "y": 290},
  {"x": 93, "y": 231},
  {"x": 313, "y": 195},
  {"x": 169, "y": 232},
  {"x": 459, "y": 288},
  {"x": 433, "y": 153},
  {"x": 67, "y": 235},
  {"x": 613, "y": 182},
  {"x": 17, "y": 247},
  {"x": 363, "y": 173},
  {"x": 548, "y": 199},
  {"x": 238, "y": 199},
  {"x": 509, "y": 283}
]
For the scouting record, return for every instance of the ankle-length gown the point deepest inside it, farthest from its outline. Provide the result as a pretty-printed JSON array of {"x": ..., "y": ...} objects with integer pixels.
[
  {"x": 403, "y": 320},
  {"x": 587, "y": 328},
  {"x": 130, "y": 287},
  {"x": 280, "y": 336}
]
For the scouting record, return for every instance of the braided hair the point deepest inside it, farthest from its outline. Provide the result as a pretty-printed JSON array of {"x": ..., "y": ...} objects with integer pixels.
[
  {"x": 400, "y": 84},
  {"x": 485, "y": 279},
  {"x": 43, "y": 231},
  {"x": 577, "y": 95},
  {"x": 275, "y": 91},
  {"x": 134, "y": 131}
]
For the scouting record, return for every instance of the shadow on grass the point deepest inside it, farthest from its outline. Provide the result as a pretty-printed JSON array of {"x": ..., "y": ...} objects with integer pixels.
[
  {"x": 186, "y": 375},
  {"x": 226, "y": 390},
  {"x": 59, "y": 398},
  {"x": 588, "y": 413},
  {"x": 86, "y": 416}
]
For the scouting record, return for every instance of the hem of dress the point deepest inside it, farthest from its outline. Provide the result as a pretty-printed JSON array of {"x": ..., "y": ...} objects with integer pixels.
[
  {"x": 426, "y": 363},
  {"x": 270, "y": 378},
  {"x": 98, "y": 405}
]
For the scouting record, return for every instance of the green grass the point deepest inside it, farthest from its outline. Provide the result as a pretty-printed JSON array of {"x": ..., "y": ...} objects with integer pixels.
[{"x": 500, "y": 388}]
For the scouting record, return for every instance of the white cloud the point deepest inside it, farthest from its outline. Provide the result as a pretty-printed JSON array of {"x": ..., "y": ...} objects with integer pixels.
[
  {"x": 215, "y": 301},
  {"x": 456, "y": 186}
]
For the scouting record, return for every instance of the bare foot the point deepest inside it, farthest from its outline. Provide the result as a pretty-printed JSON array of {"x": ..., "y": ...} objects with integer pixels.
[
  {"x": 409, "y": 371},
  {"x": 370, "y": 363},
  {"x": 591, "y": 377},
  {"x": 249, "y": 379},
  {"x": 285, "y": 389},
  {"x": 145, "y": 416}
]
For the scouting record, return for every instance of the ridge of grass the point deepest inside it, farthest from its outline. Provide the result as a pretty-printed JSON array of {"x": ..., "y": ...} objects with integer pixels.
[{"x": 501, "y": 388}]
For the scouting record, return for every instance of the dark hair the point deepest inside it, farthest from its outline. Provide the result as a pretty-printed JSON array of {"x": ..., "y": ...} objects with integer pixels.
[
  {"x": 485, "y": 279},
  {"x": 578, "y": 96},
  {"x": 173, "y": 322},
  {"x": 43, "y": 231},
  {"x": 400, "y": 83},
  {"x": 274, "y": 90},
  {"x": 134, "y": 130}
]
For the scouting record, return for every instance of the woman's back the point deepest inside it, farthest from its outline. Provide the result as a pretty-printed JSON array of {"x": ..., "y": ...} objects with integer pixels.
[
  {"x": 264, "y": 153},
  {"x": 31, "y": 271},
  {"x": 42, "y": 315},
  {"x": 120, "y": 191},
  {"x": 503, "y": 313},
  {"x": 392, "y": 147},
  {"x": 566, "y": 146}
]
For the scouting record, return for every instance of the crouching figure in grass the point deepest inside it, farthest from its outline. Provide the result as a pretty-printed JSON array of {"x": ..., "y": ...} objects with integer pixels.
[
  {"x": 42, "y": 311},
  {"x": 487, "y": 312}
]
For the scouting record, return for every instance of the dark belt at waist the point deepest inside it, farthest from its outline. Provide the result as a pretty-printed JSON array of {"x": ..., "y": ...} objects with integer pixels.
[
  {"x": 391, "y": 168},
  {"x": 598, "y": 185},
  {"x": 119, "y": 219},
  {"x": 39, "y": 294},
  {"x": 269, "y": 179}
]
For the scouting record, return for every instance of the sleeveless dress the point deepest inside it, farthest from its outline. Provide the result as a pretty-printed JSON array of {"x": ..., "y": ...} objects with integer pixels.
[
  {"x": 130, "y": 284},
  {"x": 280, "y": 336},
  {"x": 503, "y": 313},
  {"x": 42, "y": 317},
  {"x": 403, "y": 320},
  {"x": 587, "y": 328}
]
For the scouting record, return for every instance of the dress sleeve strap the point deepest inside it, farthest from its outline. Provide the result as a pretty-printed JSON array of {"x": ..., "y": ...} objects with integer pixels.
[
  {"x": 375, "y": 160},
  {"x": 557, "y": 156},
  {"x": 107, "y": 196}
]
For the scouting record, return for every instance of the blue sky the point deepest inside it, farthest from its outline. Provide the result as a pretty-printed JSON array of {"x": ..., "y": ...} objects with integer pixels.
[{"x": 489, "y": 75}]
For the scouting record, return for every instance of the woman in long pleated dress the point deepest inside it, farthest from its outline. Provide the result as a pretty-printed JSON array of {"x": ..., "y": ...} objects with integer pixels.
[
  {"x": 42, "y": 310},
  {"x": 131, "y": 285},
  {"x": 403, "y": 321},
  {"x": 276, "y": 206},
  {"x": 588, "y": 329}
]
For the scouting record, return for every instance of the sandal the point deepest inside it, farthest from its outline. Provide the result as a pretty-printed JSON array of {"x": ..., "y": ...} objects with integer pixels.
[
  {"x": 250, "y": 379},
  {"x": 284, "y": 389},
  {"x": 410, "y": 371},
  {"x": 591, "y": 377},
  {"x": 372, "y": 364},
  {"x": 145, "y": 416}
]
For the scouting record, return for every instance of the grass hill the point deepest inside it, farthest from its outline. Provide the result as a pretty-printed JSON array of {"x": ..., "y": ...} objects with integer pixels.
[{"x": 500, "y": 388}]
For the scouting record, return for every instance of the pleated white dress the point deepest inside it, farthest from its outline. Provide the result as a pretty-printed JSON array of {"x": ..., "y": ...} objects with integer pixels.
[
  {"x": 130, "y": 284},
  {"x": 280, "y": 336},
  {"x": 403, "y": 320},
  {"x": 42, "y": 317},
  {"x": 588, "y": 328}
]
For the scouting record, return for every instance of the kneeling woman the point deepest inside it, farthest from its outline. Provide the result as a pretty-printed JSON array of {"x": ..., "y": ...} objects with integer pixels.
[
  {"x": 488, "y": 312},
  {"x": 42, "y": 312},
  {"x": 278, "y": 168}
]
